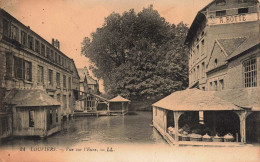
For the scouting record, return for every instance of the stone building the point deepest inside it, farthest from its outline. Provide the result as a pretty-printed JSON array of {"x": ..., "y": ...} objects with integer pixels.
[
  {"x": 31, "y": 63},
  {"x": 224, "y": 64}
]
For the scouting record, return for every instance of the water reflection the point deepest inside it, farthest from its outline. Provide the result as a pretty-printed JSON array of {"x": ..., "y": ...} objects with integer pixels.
[{"x": 134, "y": 129}]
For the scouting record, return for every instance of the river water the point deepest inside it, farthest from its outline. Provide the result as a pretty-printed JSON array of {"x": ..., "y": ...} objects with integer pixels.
[
  {"x": 115, "y": 138},
  {"x": 128, "y": 129}
]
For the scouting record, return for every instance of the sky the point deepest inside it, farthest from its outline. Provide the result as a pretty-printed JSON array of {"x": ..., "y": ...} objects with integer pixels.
[{"x": 70, "y": 21}]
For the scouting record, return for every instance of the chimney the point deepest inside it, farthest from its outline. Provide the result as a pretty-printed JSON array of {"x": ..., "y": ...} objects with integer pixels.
[{"x": 55, "y": 43}]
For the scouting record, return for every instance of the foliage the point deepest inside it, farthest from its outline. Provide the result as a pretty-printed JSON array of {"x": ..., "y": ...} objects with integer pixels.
[{"x": 139, "y": 55}]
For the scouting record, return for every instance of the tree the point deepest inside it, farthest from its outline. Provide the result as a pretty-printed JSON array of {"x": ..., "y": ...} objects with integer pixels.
[{"x": 139, "y": 56}]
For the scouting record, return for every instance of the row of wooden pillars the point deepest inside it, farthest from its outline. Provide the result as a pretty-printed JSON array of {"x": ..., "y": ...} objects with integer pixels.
[{"x": 241, "y": 114}]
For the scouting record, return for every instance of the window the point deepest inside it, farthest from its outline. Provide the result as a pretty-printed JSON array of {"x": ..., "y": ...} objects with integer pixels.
[
  {"x": 42, "y": 49},
  {"x": 57, "y": 116},
  {"x": 6, "y": 28},
  {"x": 22, "y": 69},
  {"x": 58, "y": 80},
  {"x": 37, "y": 46},
  {"x": 59, "y": 60},
  {"x": 18, "y": 68},
  {"x": 202, "y": 47},
  {"x": 14, "y": 33},
  {"x": 216, "y": 62},
  {"x": 221, "y": 84},
  {"x": 58, "y": 97},
  {"x": 62, "y": 61},
  {"x": 64, "y": 81},
  {"x": 50, "y": 77},
  {"x": 198, "y": 72},
  {"x": 221, "y": 2},
  {"x": 9, "y": 65},
  {"x": 56, "y": 57},
  {"x": 27, "y": 71},
  {"x": 203, "y": 88},
  {"x": 51, "y": 55},
  {"x": 197, "y": 51},
  {"x": 250, "y": 73},
  {"x": 65, "y": 101},
  {"x": 221, "y": 13},
  {"x": 48, "y": 52},
  {"x": 69, "y": 82},
  {"x": 23, "y": 38},
  {"x": 40, "y": 74},
  {"x": 30, "y": 42},
  {"x": 31, "y": 118},
  {"x": 210, "y": 84},
  {"x": 242, "y": 10},
  {"x": 215, "y": 85},
  {"x": 203, "y": 73},
  {"x": 50, "y": 117}
]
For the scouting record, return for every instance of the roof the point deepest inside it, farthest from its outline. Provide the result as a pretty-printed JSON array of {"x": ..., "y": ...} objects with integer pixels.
[
  {"x": 30, "y": 97},
  {"x": 195, "y": 100},
  {"x": 119, "y": 99},
  {"x": 200, "y": 17},
  {"x": 230, "y": 45},
  {"x": 83, "y": 73},
  {"x": 90, "y": 80},
  {"x": 75, "y": 68},
  {"x": 242, "y": 97},
  {"x": 249, "y": 43}
]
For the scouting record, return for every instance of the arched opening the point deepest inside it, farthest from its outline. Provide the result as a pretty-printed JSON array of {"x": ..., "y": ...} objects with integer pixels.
[
  {"x": 222, "y": 123},
  {"x": 253, "y": 128}
]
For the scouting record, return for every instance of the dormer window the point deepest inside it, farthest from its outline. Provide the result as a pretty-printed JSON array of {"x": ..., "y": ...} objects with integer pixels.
[{"x": 221, "y": 2}]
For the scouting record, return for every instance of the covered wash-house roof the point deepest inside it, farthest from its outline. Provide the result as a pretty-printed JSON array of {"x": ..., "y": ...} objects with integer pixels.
[
  {"x": 119, "y": 99},
  {"x": 29, "y": 98}
]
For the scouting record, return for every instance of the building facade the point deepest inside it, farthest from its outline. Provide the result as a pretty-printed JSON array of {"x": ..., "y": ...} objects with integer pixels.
[
  {"x": 30, "y": 62},
  {"x": 224, "y": 64}
]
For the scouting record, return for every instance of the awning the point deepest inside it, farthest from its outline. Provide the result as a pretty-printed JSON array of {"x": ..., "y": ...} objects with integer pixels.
[
  {"x": 119, "y": 99},
  {"x": 30, "y": 98},
  {"x": 195, "y": 100}
]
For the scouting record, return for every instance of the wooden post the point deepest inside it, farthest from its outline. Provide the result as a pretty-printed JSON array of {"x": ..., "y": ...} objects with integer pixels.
[
  {"x": 176, "y": 115},
  {"x": 165, "y": 121},
  {"x": 242, "y": 117},
  {"x": 122, "y": 107}
]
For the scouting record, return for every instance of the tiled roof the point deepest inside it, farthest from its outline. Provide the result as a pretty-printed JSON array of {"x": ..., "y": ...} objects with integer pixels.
[
  {"x": 247, "y": 44},
  {"x": 195, "y": 100},
  {"x": 242, "y": 97},
  {"x": 119, "y": 99},
  {"x": 30, "y": 97},
  {"x": 230, "y": 45}
]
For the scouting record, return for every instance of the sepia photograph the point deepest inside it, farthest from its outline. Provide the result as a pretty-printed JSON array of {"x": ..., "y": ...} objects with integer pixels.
[{"x": 130, "y": 80}]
